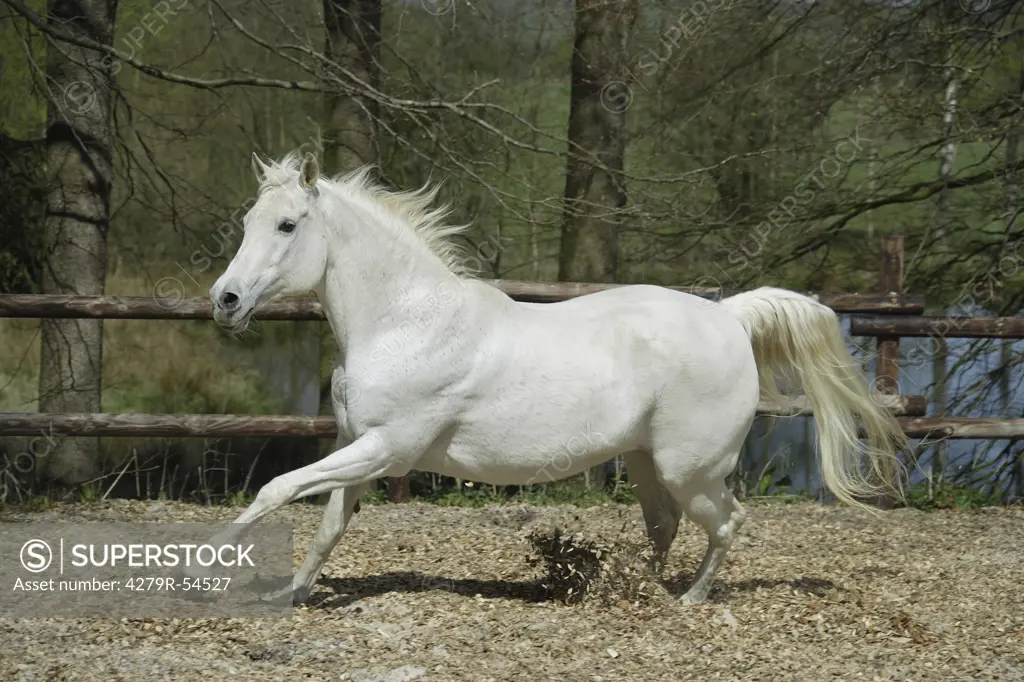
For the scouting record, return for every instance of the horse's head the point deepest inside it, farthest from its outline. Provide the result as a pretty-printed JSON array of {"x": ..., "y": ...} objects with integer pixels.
[{"x": 284, "y": 248}]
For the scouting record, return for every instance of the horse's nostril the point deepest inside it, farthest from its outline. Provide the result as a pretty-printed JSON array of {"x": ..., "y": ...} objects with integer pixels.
[{"x": 229, "y": 300}]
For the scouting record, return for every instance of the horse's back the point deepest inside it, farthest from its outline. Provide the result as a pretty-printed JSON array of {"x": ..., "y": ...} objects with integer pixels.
[{"x": 678, "y": 325}]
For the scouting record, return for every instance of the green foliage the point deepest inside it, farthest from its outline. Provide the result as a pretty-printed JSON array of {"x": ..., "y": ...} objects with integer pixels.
[
  {"x": 238, "y": 498},
  {"x": 769, "y": 485},
  {"x": 187, "y": 369},
  {"x": 36, "y": 503},
  {"x": 950, "y": 496},
  {"x": 22, "y": 54},
  {"x": 786, "y": 498},
  {"x": 374, "y": 497},
  {"x": 91, "y": 492},
  {"x": 478, "y": 495},
  {"x": 191, "y": 394}
]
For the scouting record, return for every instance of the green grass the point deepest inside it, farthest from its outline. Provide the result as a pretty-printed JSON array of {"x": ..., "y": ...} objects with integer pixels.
[
  {"x": 90, "y": 493},
  {"x": 371, "y": 497},
  {"x": 950, "y": 496},
  {"x": 239, "y": 498},
  {"x": 480, "y": 495},
  {"x": 780, "y": 498}
]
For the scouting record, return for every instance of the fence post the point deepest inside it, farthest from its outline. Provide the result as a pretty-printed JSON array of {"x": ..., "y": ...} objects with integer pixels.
[
  {"x": 887, "y": 367},
  {"x": 887, "y": 359},
  {"x": 398, "y": 488}
]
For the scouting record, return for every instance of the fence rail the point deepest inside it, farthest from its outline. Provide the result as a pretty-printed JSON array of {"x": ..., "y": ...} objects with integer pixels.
[
  {"x": 940, "y": 327},
  {"x": 979, "y": 428},
  {"x": 167, "y": 425},
  {"x": 269, "y": 426},
  {"x": 307, "y": 309}
]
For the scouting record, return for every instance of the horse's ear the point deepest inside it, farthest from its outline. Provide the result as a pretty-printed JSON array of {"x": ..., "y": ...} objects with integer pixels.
[
  {"x": 259, "y": 168},
  {"x": 309, "y": 173}
]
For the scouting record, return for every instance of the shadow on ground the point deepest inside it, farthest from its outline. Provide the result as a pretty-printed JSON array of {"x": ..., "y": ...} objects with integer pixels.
[
  {"x": 347, "y": 591},
  {"x": 332, "y": 593}
]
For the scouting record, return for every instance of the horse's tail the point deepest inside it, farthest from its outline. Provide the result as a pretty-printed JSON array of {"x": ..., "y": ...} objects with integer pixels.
[{"x": 800, "y": 339}]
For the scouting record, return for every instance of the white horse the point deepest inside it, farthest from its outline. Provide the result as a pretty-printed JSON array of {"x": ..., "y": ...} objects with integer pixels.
[{"x": 440, "y": 372}]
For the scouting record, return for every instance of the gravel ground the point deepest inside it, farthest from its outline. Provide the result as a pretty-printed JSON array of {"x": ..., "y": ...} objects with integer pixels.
[{"x": 420, "y": 592}]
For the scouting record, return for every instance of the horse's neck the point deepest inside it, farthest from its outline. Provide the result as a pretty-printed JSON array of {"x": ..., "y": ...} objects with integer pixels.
[{"x": 373, "y": 288}]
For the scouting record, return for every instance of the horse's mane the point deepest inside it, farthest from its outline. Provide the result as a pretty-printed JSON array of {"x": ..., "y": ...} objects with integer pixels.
[{"x": 414, "y": 206}]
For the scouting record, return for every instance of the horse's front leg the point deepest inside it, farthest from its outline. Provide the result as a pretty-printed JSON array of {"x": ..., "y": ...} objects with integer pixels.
[
  {"x": 337, "y": 514},
  {"x": 367, "y": 458}
]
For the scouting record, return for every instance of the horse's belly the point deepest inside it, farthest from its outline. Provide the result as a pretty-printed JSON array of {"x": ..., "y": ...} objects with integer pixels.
[
  {"x": 538, "y": 455},
  {"x": 503, "y": 469}
]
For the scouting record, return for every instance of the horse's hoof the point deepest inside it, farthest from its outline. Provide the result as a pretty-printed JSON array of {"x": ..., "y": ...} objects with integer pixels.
[
  {"x": 300, "y": 596},
  {"x": 688, "y": 599},
  {"x": 297, "y": 596}
]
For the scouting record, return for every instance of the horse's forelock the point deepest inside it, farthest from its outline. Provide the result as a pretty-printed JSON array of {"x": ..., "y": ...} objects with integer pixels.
[{"x": 279, "y": 173}]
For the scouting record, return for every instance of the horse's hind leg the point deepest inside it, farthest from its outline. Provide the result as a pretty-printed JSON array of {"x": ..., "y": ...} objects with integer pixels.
[
  {"x": 712, "y": 507},
  {"x": 661, "y": 512},
  {"x": 337, "y": 514}
]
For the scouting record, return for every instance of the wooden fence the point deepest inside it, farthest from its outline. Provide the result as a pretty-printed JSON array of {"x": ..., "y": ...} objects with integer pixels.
[
  {"x": 886, "y": 316},
  {"x": 269, "y": 426}
]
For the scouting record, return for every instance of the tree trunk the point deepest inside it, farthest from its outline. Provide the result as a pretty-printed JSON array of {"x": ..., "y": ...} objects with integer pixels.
[
  {"x": 944, "y": 226},
  {"x": 352, "y": 30},
  {"x": 594, "y": 188},
  {"x": 79, "y": 148}
]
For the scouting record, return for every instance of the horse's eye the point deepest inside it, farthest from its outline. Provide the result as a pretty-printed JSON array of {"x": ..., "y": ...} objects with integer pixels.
[{"x": 286, "y": 226}]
